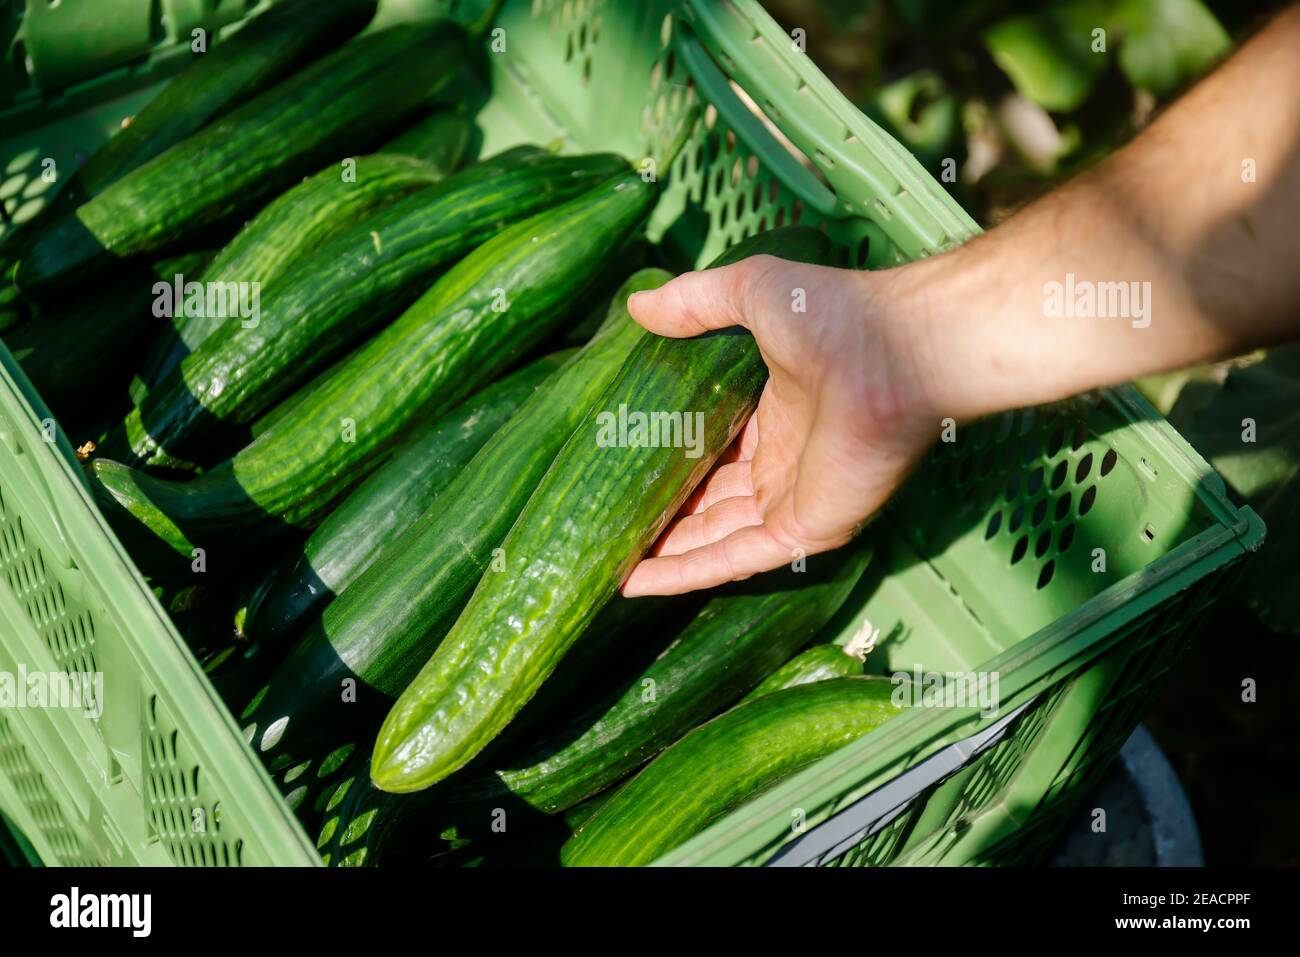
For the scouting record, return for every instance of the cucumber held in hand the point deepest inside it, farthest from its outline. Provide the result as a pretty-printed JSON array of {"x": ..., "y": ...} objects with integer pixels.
[
  {"x": 348, "y": 287},
  {"x": 737, "y": 638},
  {"x": 290, "y": 228},
  {"x": 601, "y": 505},
  {"x": 383, "y": 506},
  {"x": 385, "y": 624},
  {"x": 722, "y": 764},
  {"x": 339, "y": 105}
]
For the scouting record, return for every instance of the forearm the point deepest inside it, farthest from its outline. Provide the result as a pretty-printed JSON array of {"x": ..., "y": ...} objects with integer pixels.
[{"x": 1200, "y": 262}]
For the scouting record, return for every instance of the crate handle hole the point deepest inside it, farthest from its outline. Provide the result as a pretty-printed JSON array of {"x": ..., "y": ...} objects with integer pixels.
[
  {"x": 1045, "y": 576},
  {"x": 1067, "y": 537},
  {"x": 1108, "y": 462}
]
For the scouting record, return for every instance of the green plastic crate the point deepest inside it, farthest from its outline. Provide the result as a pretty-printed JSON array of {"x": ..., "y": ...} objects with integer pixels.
[{"x": 984, "y": 559}]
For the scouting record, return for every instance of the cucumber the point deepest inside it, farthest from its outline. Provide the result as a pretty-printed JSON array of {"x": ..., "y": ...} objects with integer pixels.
[
  {"x": 815, "y": 664},
  {"x": 366, "y": 826},
  {"x": 340, "y": 104},
  {"x": 595, "y": 513},
  {"x": 348, "y": 287},
  {"x": 737, "y": 638},
  {"x": 385, "y": 505},
  {"x": 74, "y": 350},
  {"x": 288, "y": 408},
  {"x": 478, "y": 319},
  {"x": 445, "y": 139},
  {"x": 265, "y": 50},
  {"x": 723, "y": 763},
  {"x": 382, "y": 627},
  {"x": 286, "y": 231}
]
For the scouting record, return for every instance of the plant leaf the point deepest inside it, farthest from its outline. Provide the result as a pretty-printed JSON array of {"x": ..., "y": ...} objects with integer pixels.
[
  {"x": 1168, "y": 43},
  {"x": 1049, "y": 55},
  {"x": 920, "y": 113}
]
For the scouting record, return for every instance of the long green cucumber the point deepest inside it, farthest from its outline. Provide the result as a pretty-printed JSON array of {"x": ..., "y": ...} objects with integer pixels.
[
  {"x": 721, "y": 764},
  {"x": 342, "y": 103},
  {"x": 289, "y": 407},
  {"x": 447, "y": 139},
  {"x": 627, "y": 634},
  {"x": 478, "y": 319},
  {"x": 366, "y": 826},
  {"x": 740, "y": 636},
  {"x": 600, "y": 506},
  {"x": 265, "y": 50},
  {"x": 76, "y": 351},
  {"x": 378, "y": 632},
  {"x": 296, "y": 223},
  {"x": 383, "y": 506},
  {"x": 354, "y": 283},
  {"x": 814, "y": 664},
  {"x": 290, "y": 228}
]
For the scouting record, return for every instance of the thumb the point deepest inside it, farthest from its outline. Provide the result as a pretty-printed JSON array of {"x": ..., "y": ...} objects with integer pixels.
[{"x": 698, "y": 302}]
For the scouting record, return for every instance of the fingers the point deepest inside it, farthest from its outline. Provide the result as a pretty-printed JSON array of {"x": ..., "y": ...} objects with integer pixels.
[
  {"x": 741, "y": 554},
  {"x": 697, "y": 302},
  {"x": 710, "y": 525},
  {"x": 727, "y": 481}
]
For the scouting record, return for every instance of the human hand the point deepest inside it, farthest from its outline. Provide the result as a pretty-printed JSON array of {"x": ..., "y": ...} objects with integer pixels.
[{"x": 840, "y": 422}]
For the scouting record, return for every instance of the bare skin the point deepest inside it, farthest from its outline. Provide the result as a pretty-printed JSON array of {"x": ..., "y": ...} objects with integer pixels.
[{"x": 861, "y": 382}]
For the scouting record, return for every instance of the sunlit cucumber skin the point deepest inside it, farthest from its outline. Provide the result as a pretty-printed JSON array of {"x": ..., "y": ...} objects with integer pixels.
[
  {"x": 816, "y": 664},
  {"x": 602, "y": 503},
  {"x": 382, "y": 507},
  {"x": 352, "y": 285},
  {"x": 342, "y": 104},
  {"x": 384, "y": 625},
  {"x": 289, "y": 229},
  {"x": 737, "y": 638},
  {"x": 720, "y": 765}
]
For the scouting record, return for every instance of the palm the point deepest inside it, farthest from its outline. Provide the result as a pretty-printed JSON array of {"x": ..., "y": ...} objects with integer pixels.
[{"x": 810, "y": 466}]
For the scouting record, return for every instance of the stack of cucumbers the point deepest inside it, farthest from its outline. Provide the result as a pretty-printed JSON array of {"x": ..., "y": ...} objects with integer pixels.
[{"x": 323, "y": 364}]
